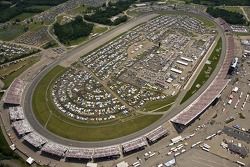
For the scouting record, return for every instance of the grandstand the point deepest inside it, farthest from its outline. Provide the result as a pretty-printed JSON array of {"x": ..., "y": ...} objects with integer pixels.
[
  {"x": 35, "y": 139},
  {"x": 16, "y": 113},
  {"x": 22, "y": 127},
  {"x": 156, "y": 134},
  {"x": 13, "y": 94},
  {"x": 79, "y": 153},
  {"x": 211, "y": 93},
  {"x": 106, "y": 152},
  {"x": 54, "y": 149},
  {"x": 134, "y": 144}
]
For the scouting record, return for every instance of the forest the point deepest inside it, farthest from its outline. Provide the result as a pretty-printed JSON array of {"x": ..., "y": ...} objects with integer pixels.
[{"x": 72, "y": 30}]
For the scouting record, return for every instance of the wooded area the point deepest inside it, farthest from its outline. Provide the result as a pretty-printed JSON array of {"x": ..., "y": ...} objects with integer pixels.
[
  {"x": 12, "y": 8},
  {"x": 221, "y": 2},
  {"x": 103, "y": 16},
  {"x": 72, "y": 30},
  {"x": 228, "y": 16}
]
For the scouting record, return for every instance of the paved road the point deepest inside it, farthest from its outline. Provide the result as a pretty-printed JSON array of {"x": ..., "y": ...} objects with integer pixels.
[{"x": 73, "y": 55}]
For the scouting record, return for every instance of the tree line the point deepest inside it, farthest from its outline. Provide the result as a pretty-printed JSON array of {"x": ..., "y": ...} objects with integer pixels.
[
  {"x": 102, "y": 15},
  {"x": 228, "y": 16},
  {"x": 221, "y": 2},
  {"x": 8, "y": 11},
  {"x": 72, "y": 30}
]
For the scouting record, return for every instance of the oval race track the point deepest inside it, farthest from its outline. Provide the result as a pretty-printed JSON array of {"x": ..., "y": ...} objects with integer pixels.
[{"x": 84, "y": 49}]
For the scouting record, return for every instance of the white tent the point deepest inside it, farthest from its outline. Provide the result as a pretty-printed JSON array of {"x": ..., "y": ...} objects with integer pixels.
[
  {"x": 30, "y": 160},
  {"x": 90, "y": 164},
  {"x": 122, "y": 164}
]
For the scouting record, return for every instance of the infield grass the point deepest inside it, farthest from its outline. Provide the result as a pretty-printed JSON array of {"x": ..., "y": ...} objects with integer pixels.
[
  {"x": 159, "y": 105},
  {"x": 58, "y": 123},
  {"x": 206, "y": 71}
]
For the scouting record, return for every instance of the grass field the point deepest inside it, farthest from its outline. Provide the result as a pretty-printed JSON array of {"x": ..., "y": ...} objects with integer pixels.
[
  {"x": 247, "y": 10},
  {"x": 79, "y": 10},
  {"x": 96, "y": 29},
  {"x": 39, "y": 7},
  {"x": 77, "y": 41},
  {"x": 206, "y": 71},
  {"x": 163, "y": 109},
  {"x": 35, "y": 26},
  {"x": 14, "y": 70},
  {"x": 11, "y": 32},
  {"x": 99, "y": 29},
  {"x": 50, "y": 44},
  {"x": 206, "y": 22},
  {"x": 159, "y": 105},
  {"x": 57, "y": 122},
  {"x": 232, "y": 9},
  {"x": 23, "y": 16}
]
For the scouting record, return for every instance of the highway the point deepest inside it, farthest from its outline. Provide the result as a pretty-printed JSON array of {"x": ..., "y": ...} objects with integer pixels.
[{"x": 71, "y": 56}]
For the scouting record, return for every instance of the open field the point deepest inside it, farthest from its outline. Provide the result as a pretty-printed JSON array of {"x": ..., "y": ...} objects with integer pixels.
[
  {"x": 54, "y": 121},
  {"x": 247, "y": 10},
  {"x": 232, "y": 9},
  {"x": 206, "y": 71},
  {"x": 39, "y": 7},
  {"x": 34, "y": 26},
  {"x": 159, "y": 105},
  {"x": 206, "y": 22},
  {"x": 15, "y": 69},
  {"x": 11, "y": 32},
  {"x": 50, "y": 44},
  {"x": 23, "y": 16},
  {"x": 99, "y": 29},
  {"x": 164, "y": 108},
  {"x": 77, "y": 41},
  {"x": 79, "y": 10},
  {"x": 96, "y": 30}
]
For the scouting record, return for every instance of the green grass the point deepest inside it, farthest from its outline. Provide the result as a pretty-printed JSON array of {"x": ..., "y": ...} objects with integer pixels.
[
  {"x": 39, "y": 7},
  {"x": 11, "y": 32},
  {"x": 133, "y": 13},
  {"x": 77, "y": 41},
  {"x": 34, "y": 26},
  {"x": 23, "y": 16},
  {"x": 39, "y": 98},
  {"x": 5, "y": 151},
  {"x": 164, "y": 109},
  {"x": 247, "y": 10},
  {"x": 98, "y": 133},
  {"x": 206, "y": 22},
  {"x": 50, "y": 44},
  {"x": 14, "y": 70},
  {"x": 155, "y": 105},
  {"x": 232, "y": 9},
  {"x": 206, "y": 71},
  {"x": 55, "y": 121},
  {"x": 98, "y": 29},
  {"x": 79, "y": 10}
]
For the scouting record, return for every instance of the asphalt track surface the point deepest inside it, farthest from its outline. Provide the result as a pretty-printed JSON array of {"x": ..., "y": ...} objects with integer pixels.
[{"x": 75, "y": 53}]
